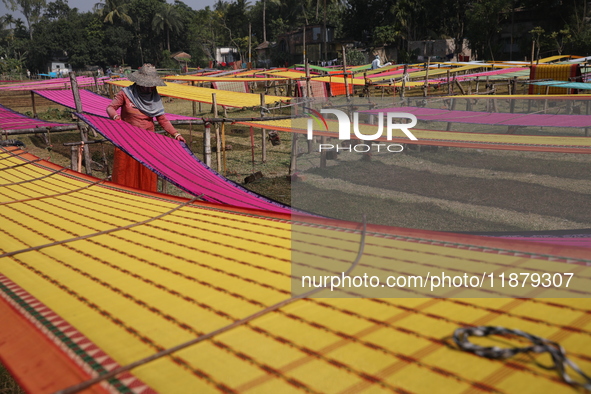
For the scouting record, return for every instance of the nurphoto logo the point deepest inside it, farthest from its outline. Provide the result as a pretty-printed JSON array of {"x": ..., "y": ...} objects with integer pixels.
[{"x": 345, "y": 129}]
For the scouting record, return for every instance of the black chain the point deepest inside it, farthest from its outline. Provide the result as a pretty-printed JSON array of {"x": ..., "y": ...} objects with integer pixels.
[{"x": 539, "y": 345}]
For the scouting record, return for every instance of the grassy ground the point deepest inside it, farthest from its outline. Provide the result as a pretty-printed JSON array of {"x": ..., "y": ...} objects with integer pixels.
[{"x": 7, "y": 383}]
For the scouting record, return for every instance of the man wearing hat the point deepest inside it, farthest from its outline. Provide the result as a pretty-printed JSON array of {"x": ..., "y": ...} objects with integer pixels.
[{"x": 140, "y": 103}]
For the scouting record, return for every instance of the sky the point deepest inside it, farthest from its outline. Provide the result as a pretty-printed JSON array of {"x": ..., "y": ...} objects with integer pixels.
[{"x": 86, "y": 5}]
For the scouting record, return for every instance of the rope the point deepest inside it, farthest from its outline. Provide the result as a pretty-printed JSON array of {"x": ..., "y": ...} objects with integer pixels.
[
  {"x": 539, "y": 345},
  {"x": 84, "y": 385}
]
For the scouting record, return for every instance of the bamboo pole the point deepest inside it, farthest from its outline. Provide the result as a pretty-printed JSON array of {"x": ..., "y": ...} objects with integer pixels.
[
  {"x": 207, "y": 145},
  {"x": 263, "y": 132},
  {"x": 81, "y": 125},
  {"x": 452, "y": 107},
  {"x": 194, "y": 104},
  {"x": 426, "y": 86},
  {"x": 308, "y": 90},
  {"x": 252, "y": 146},
  {"x": 33, "y": 104},
  {"x": 39, "y": 130},
  {"x": 460, "y": 86},
  {"x": 345, "y": 72},
  {"x": 294, "y": 152},
  {"x": 224, "y": 147},
  {"x": 218, "y": 142},
  {"x": 404, "y": 76}
]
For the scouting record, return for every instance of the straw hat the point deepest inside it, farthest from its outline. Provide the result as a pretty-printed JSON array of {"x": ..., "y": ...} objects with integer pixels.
[{"x": 146, "y": 76}]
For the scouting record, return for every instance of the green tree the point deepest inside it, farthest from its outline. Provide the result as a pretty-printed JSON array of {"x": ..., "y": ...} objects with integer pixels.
[
  {"x": 484, "y": 23},
  {"x": 31, "y": 9},
  {"x": 167, "y": 19},
  {"x": 113, "y": 9}
]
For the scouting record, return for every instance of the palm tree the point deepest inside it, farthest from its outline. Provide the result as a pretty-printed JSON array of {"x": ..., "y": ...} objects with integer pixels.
[
  {"x": 265, "y": 16},
  {"x": 167, "y": 19},
  {"x": 113, "y": 8},
  {"x": 8, "y": 20}
]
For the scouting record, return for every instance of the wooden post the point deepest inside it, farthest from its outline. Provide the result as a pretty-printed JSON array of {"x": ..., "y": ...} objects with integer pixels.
[
  {"x": 426, "y": 86},
  {"x": 252, "y": 146},
  {"x": 194, "y": 104},
  {"x": 75, "y": 92},
  {"x": 304, "y": 60},
  {"x": 263, "y": 132},
  {"x": 404, "y": 76},
  {"x": 96, "y": 89},
  {"x": 199, "y": 104},
  {"x": 452, "y": 106},
  {"x": 448, "y": 84},
  {"x": 207, "y": 145},
  {"x": 294, "y": 153},
  {"x": 224, "y": 147},
  {"x": 218, "y": 140},
  {"x": 33, "y": 104},
  {"x": 264, "y": 145},
  {"x": 345, "y": 72},
  {"x": 477, "y": 83},
  {"x": 74, "y": 156},
  {"x": 81, "y": 125},
  {"x": 460, "y": 86},
  {"x": 308, "y": 90}
]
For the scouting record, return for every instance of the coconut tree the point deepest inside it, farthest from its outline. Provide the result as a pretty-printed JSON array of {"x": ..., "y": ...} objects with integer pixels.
[
  {"x": 265, "y": 16},
  {"x": 31, "y": 9},
  {"x": 167, "y": 19},
  {"x": 113, "y": 9}
]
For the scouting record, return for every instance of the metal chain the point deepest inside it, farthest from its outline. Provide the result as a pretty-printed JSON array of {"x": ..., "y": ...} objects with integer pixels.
[{"x": 539, "y": 345}]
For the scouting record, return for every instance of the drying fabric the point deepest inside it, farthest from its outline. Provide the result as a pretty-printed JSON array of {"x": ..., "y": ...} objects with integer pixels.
[
  {"x": 492, "y": 118},
  {"x": 562, "y": 72},
  {"x": 214, "y": 78},
  {"x": 92, "y": 103},
  {"x": 224, "y": 98},
  {"x": 57, "y": 83},
  {"x": 447, "y": 138},
  {"x": 12, "y": 120},
  {"x": 318, "y": 89},
  {"x": 234, "y": 86},
  {"x": 173, "y": 161},
  {"x": 566, "y": 85},
  {"x": 82, "y": 307}
]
